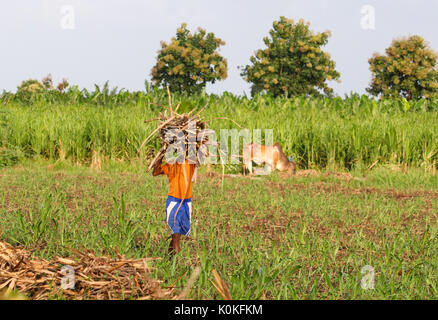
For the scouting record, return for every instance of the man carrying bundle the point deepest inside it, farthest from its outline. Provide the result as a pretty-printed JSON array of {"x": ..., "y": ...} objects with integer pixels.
[
  {"x": 179, "y": 203},
  {"x": 186, "y": 134}
]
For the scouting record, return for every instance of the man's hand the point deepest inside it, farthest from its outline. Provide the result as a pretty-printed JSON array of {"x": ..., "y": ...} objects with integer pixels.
[{"x": 157, "y": 166}]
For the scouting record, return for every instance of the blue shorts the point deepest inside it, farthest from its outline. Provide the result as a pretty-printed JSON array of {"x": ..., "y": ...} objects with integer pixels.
[{"x": 179, "y": 220}]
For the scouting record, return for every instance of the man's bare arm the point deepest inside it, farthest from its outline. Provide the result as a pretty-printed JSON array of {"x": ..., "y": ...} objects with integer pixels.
[{"x": 157, "y": 167}]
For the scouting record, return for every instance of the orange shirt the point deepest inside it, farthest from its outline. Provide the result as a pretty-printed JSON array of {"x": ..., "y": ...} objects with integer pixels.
[{"x": 180, "y": 179}]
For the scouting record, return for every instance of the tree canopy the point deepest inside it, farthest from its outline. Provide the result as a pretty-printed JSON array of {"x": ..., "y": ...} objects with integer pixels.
[
  {"x": 408, "y": 70},
  {"x": 293, "y": 62},
  {"x": 189, "y": 61}
]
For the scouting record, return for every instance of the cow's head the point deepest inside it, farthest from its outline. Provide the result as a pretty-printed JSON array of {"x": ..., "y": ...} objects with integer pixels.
[{"x": 292, "y": 166}]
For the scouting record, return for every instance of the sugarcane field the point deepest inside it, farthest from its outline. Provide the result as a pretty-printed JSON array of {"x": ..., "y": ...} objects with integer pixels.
[{"x": 290, "y": 155}]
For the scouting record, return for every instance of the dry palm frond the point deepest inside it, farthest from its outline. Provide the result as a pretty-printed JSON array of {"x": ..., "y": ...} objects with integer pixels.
[
  {"x": 220, "y": 286},
  {"x": 95, "y": 277},
  {"x": 190, "y": 283},
  {"x": 189, "y": 128}
]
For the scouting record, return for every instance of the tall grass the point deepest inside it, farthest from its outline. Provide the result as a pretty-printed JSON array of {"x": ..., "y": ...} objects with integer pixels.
[{"x": 321, "y": 132}]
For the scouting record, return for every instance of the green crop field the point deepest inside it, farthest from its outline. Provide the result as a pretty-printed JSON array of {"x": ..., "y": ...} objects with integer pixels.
[
  {"x": 337, "y": 133},
  {"x": 268, "y": 237},
  {"x": 73, "y": 175}
]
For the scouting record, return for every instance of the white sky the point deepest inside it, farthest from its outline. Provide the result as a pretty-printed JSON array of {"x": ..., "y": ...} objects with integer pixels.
[{"x": 118, "y": 40}]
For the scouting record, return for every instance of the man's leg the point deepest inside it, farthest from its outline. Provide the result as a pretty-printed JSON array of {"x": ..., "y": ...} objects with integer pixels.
[
  {"x": 171, "y": 246},
  {"x": 179, "y": 221},
  {"x": 175, "y": 243},
  {"x": 172, "y": 205}
]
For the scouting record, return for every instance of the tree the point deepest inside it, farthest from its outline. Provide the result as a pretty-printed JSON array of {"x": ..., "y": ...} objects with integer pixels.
[
  {"x": 408, "y": 70},
  {"x": 293, "y": 62},
  {"x": 189, "y": 61},
  {"x": 29, "y": 89}
]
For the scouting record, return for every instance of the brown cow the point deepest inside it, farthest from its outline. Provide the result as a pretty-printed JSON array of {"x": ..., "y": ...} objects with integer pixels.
[{"x": 270, "y": 155}]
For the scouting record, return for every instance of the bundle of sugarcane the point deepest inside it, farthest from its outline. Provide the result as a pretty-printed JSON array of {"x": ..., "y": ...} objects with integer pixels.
[{"x": 175, "y": 128}]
